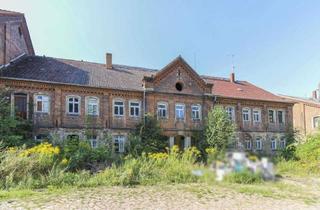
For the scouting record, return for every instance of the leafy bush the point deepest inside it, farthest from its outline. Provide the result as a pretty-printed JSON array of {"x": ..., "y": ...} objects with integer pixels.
[{"x": 243, "y": 177}]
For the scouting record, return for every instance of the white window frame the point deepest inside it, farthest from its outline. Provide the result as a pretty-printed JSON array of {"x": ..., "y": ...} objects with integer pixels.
[
  {"x": 313, "y": 122},
  {"x": 256, "y": 112},
  {"x": 273, "y": 143},
  {"x": 97, "y": 104},
  {"x": 114, "y": 107},
  {"x": 231, "y": 112},
  {"x": 92, "y": 141},
  {"x": 183, "y": 111},
  {"x": 120, "y": 140},
  {"x": 135, "y": 107},
  {"x": 79, "y": 104},
  {"x": 283, "y": 143},
  {"x": 258, "y": 142},
  {"x": 283, "y": 116},
  {"x": 274, "y": 116},
  {"x": 198, "y": 107},
  {"x": 42, "y": 104},
  {"x": 248, "y": 144},
  {"x": 249, "y": 114},
  {"x": 160, "y": 110}
]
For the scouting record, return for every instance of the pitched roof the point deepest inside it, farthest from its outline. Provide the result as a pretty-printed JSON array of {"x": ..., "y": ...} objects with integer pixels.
[
  {"x": 240, "y": 90},
  {"x": 64, "y": 71},
  {"x": 296, "y": 99},
  {"x": 73, "y": 72}
]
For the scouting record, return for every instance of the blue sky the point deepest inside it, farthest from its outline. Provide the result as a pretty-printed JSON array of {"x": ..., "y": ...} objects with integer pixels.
[{"x": 276, "y": 43}]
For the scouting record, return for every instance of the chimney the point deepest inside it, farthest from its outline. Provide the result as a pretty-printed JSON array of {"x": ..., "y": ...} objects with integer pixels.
[
  {"x": 109, "y": 60},
  {"x": 232, "y": 77},
  {"x": 315, "y": 95}
]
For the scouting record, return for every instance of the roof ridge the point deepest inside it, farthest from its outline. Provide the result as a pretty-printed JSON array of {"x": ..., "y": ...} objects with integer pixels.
[{"x": 8, "y": 12}]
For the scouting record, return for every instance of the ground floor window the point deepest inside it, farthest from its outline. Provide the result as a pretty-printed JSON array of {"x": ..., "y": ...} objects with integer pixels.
[
  {"x": 273, "y": 144},
  {"x": 93, "y": 141},
  {"x": 41, "y": 137},
  {"x": 283, "y": 143},
  {"x": 248, "y": 144},
  {"x": 119, "y": 142},
  {"x": 258, "y": 144},
  {"x": 73, "y": 137}
]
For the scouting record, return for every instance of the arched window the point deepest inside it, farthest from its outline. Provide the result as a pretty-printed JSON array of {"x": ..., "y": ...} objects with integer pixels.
[{"x": 258, "y": 143}]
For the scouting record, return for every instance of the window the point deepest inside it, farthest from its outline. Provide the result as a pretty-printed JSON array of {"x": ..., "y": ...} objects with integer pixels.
[
  {"x": 271, "y": 115},
  {"x": 282, "y": 143},
  {"x": 280, "y": 116},
  {"x": 93, "y": 106},
  {"x": 119, "y": 144},
  {"x": 179, "y": 86},
  {"x": 73, "y": 104},
  {"x": 73, "y": 137},
  {"x": 179, "y": 111},
  {"x": 162, "y": 110},
  {"x": 195, "y": 112},
  {"x": 230, "y": 112},
  {"x": 258, "y": 143},
  {"x": 273, "y": 144},
  {"x": 118, "y": 108},
  {"x": 246, "y": 114},
  {"x": 248, "y": 144},
  {"x": 316, "y": 122},
  {"x": 134, "y": 109},
  {"x": 42, "y": 103},
  {"x": 93, "y": 141},
  {"x": 256, "y": 115},
  {"x": 41, "y": 137}
]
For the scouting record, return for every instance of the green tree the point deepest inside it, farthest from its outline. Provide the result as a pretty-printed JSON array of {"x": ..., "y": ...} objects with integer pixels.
[
  {"x": 147, "y": 137},
  {"x": 219, "y": 129},
  {"x": 14, "y": 131},
  {"x": 292, "y": 139}
]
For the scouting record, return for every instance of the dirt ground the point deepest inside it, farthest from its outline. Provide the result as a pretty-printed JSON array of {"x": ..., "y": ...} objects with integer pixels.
[{"x": 289, "y": 194}]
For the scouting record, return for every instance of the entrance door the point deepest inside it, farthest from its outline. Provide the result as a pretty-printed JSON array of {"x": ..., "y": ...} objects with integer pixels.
[
  {"x": 179, "y": 141},
  {"x": 21, "y": 105}
]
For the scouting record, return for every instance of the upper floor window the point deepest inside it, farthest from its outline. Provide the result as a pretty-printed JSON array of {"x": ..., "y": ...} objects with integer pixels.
[
  {"x": 256, "y": 115},
  {"x": 246, "y": 114},
  {"x": 195, "y": 112},
  {"x": 316, "y": 122},
  {"x": 248, "y": 144},
  {"x": 134, "y": 107},
  {"x": 271, "y": 116},
  {"x": 180, "y": 111},
  {"x": 118, "y": 108},
  {"x": 92, "y": 106},
  {"x": 283, "y": 143},
  {"x": 42, "y": 103},
  {"x": 162, "y": 110},
  {"x": 273, "y": 144},
  {"x": 258, "y": 143},
  {"x": 73, "y": 103},
  {"x": 231, "y": 113},
  {"x": 119, "y": 142},
  {"x": 280, "y": 116}
]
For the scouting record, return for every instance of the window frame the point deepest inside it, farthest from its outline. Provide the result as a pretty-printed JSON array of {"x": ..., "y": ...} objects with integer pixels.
[
  {"x": 199, "y": 112},
  {"x": 79, "y": 104},
  {"x": 183, "y": 109},
  {"x": 42, "y": 104},
  {"x": 254, "y": 111},
  {"x": 246, "y": 144},
  {"x": 258, "y": 139},
  {"x": 283, "y": 143},
  {"x": 233, "y": 117},
  {"x": 139, "y": 108},
  {"x": 114, "y": 108},
  {"x": 88, "y": 104},
  {"x": 165, "y": 104},
  {"x": 249, "y": 114},
  {"x": 313, "y": 122},
  {"x": 273, "y": 148},
  {"x": 92, "y": 139},
  {"x": 121, "y": 146},
  {"x": 273, "y": 116},
  {"x": 283, "y": 116}
]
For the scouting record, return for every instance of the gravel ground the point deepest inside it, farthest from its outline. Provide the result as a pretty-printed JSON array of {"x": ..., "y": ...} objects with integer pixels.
[{"x": 193, "y": 196}]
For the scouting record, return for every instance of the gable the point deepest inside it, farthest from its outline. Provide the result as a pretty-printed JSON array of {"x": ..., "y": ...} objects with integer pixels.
[{"x": 179, "y": 77}]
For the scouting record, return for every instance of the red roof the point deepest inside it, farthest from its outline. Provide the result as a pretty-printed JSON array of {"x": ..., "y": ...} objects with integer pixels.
[{"x": 240, "y": 90}]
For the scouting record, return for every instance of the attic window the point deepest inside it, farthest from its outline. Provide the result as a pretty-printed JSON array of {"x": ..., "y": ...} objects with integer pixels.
[
  {"x": 20, "y": 31},
  {"x": 179, "y": 86}
]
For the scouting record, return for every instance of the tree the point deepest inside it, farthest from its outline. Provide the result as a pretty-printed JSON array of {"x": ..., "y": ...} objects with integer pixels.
[
  {"x": 292, "y": 138},
  {"x": 219, "y": 129},
  {"x": 13, "y": 130},
  {"x": 147, "y": 137}
]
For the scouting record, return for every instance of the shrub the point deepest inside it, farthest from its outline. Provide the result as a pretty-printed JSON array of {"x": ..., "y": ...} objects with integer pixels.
[{"x": 243, "y": 177}]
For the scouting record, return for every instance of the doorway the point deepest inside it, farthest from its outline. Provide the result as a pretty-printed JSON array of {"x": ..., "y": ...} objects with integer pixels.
[
  {"x": 179, "y": 141},
  {"x": 21, "y": 105}
]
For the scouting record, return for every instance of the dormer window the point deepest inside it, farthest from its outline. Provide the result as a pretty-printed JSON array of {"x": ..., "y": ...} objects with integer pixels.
[{"x": 179, "y": 86}]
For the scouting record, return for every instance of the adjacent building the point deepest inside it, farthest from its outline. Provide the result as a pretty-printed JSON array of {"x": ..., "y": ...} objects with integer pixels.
[{"x": 61, "y": 96}]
